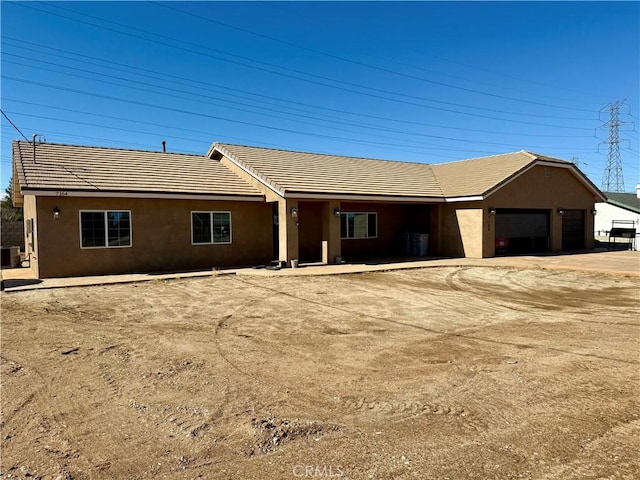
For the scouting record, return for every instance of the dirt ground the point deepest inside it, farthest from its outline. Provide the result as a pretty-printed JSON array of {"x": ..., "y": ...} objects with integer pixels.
[{"x": 439, "y": 373}]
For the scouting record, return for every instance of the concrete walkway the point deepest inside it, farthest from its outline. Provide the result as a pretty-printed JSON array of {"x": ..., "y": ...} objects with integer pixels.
[{"x": 614, "y": 262}]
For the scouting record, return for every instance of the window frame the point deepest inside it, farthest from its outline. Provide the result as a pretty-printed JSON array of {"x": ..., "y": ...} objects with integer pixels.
[
  {"x": 106, "y": 228},
  {"x": 211, "y": 213},
  {"x": 366, "y": 229}
]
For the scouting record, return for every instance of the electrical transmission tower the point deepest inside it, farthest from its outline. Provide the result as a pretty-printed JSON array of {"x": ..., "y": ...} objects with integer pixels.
[{"x": 612, "y": 180}]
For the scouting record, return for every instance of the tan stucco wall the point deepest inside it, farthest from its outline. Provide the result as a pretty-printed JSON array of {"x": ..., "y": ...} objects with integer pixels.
[
  {"x": 31, "y": 239},
  {"x": 161, "y": 237},
  {"x": 452, "y": 240},
  {"x": 470, "y": 223},
  {"x": 287, "y": 230}
]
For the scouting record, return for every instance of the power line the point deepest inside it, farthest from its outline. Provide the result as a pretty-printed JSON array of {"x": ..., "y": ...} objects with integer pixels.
[
  {"x": 421, "y": 146},
  {"x": 13, "y": 125},
  {"x": 331, "y": 122},
  {"x": 270, "y": 127},
  {"x": 209, "y": 85},
  {"x": 223, "y": 138},
  {"x": 279, "y": 68},
  {"x": 356, "y": 62},
  {"x": 283, "y": 6}
]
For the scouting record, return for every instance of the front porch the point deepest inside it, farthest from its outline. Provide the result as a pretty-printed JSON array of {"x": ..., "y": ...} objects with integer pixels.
[{"x": 332, "y": 231}]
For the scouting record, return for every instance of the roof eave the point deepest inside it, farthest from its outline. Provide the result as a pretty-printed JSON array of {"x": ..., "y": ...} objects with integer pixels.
[
  {"x": 623, "y": 205},
  {"x": 303, "y": 195},
  {"x": 247, "y": 169},
  {"x": 49, "y": 192}
]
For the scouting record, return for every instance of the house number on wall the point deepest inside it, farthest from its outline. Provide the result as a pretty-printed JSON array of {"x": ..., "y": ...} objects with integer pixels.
[{"x": 61, "y": 194}]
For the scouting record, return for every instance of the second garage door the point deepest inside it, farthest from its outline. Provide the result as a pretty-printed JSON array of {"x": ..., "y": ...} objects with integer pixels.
[
  {"x": 573, "y": 230},
  {"x": 522, "y": 231}
]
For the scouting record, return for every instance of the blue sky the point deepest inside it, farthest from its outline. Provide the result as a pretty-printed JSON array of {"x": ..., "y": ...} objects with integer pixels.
[{"x": 417, "y": 81}]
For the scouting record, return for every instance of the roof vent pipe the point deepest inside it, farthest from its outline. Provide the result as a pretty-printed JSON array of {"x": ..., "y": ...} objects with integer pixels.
[
  {"x": 33, "y": 142},
  {"x": 164, "y": 146}
]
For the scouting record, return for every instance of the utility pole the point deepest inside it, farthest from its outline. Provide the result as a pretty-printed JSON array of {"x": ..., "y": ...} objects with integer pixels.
[{"x": 612, "y": 180}]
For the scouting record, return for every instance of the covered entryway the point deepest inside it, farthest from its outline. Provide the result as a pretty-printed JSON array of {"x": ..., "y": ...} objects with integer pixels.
[
  {"x": 522, "y": 231},
  {"x": 573, "y": 232}
]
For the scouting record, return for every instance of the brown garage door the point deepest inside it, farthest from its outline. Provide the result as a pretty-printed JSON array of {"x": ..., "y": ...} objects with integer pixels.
[
  {"x": 521, "y": 231},
  {"x": 573, "y": 230}
]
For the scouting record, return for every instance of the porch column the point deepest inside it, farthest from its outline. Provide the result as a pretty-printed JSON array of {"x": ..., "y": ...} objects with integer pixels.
[
  {"x": 288, "y": 229},
  {"x": 489, "y": 229},
  {"x": 331, "y": 243}
]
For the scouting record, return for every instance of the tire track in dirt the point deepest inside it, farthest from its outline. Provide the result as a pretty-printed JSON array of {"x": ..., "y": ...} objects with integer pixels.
[
  {"x": 183, "y": 419},
  {"x": 53, "y": 431},
  {"x": 400, "y": 409},
  {"x": 459, "y": 334},
  {"x": 518, "y": 288},
  {"x": 225, "y": 322},
  {"x": 456, "y": 281}
]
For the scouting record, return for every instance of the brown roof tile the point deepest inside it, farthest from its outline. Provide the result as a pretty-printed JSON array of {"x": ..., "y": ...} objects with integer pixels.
[
  {"x": 298, "y": 172},
  {"x": 74, "y": 167},
  {"x": 477, "y": 176},
  {"x": 82, "y": 168}
]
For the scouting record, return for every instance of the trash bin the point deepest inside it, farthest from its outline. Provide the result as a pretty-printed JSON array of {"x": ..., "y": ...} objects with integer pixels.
[
  {"x": 407, "y": 243},
  {"x": 294, "y": 263},
  {"x": 421, "y": 244}
]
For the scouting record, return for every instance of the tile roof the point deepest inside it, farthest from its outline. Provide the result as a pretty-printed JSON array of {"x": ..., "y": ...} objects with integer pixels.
[
  {"x": 289, "y": 172},
  {"x": 298, "y": 172},
  {"x": 94, "y": 169},
  {"x": 630, "y": 201},
  {"x": 101, "y": 169},
  {"x": 478, "y": 176}
]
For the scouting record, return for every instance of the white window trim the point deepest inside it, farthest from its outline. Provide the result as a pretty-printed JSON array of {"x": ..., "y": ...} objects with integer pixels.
[
  {"x": 211, "y": 212},
  {"x": 360, "y": 238},
  {"x": 106, "y": 229}
]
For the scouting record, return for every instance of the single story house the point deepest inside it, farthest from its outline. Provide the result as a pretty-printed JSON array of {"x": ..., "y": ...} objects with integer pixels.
[{"x": 93, "y": 210}]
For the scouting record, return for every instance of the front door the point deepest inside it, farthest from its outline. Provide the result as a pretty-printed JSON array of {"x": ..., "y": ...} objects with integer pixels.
[{"x": 310, "y": 231}]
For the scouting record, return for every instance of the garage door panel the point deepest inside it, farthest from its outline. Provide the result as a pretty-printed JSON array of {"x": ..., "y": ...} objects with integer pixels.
[
  {"x": 522, "y": 231},
  {"x": 522, "y": 225},
  {"x": 573, "y": 231}
]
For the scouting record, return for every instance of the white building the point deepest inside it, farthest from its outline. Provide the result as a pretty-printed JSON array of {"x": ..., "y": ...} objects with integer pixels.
[{"x": 618, "y": 207}]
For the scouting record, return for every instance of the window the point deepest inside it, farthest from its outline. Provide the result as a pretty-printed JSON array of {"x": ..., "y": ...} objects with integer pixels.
[
  {"x": 210, "y": 227},
  {"x": 105, "y": 229},
  {"x": 358, "y": 225}
]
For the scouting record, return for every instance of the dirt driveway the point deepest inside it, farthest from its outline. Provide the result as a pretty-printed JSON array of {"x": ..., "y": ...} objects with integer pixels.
[{"x": 442, "y": 373}]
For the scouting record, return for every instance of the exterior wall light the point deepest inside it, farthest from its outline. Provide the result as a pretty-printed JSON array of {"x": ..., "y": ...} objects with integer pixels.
[
  {"x": 492, "y": 210},
  {"x": 336, "y": 212},
  {"x": 294, "y": 212},
  {"x": 56, "y": 213},
  {"x": 594, "y": 211},
  {"x": 560, "y": 211}
]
